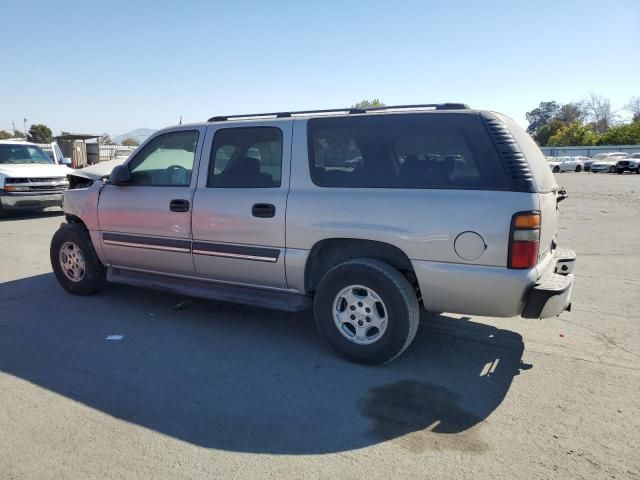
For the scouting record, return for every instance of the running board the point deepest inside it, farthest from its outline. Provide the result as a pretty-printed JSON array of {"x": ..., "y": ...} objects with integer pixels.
[{"x": 257, "y": 297}]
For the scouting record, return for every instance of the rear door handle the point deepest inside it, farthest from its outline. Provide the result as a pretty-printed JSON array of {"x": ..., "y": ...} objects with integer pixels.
[
  {"x": 263, "y": 210},
  {"x": 179, "y": 205}
]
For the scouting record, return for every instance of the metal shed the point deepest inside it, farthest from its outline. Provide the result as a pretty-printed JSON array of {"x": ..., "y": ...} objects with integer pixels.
[{"x": 75, "y": 147}]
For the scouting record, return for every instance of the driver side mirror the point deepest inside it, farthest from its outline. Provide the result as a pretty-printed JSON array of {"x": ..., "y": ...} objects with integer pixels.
[{"x": 120, "y": 175}]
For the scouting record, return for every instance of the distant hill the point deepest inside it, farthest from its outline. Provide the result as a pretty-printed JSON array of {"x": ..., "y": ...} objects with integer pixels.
[{"x": 140, "y": 134}]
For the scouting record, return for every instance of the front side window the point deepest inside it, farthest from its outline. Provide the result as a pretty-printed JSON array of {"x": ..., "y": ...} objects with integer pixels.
[
  {"x": 404, "y": 151},
  {"x": 20, "y": 154},
  {"x": 246, "y": 157},
  {"x": 166, "y": 161}
]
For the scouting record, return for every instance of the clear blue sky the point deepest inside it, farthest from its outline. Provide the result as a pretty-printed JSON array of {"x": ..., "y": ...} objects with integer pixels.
[{"x": 114, "y": 66}]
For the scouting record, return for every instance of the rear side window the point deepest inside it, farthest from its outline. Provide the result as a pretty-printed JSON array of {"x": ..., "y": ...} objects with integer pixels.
[
  {"x": 404, "y": 151},
  {"x": 246, "y": 157}
]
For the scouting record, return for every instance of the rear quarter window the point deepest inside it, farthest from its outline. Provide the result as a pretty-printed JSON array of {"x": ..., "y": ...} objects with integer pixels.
[
  {"x": 542, "y": 174},
  {"x": 426, "y": 150}
]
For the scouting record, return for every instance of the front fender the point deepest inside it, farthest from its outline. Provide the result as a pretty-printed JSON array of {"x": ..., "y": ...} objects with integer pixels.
[{"x": 83, "y": 204}]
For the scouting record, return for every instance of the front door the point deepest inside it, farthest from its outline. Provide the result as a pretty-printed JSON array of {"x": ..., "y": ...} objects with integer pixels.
[
  {"x": 146, "y": 224},
  {"x": 239, "y": 206}
]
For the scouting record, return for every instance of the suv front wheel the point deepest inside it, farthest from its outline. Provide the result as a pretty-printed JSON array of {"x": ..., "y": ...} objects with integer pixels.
[
  {"x": 367, "y": 311},
  {"x": 75, "y": 262}
]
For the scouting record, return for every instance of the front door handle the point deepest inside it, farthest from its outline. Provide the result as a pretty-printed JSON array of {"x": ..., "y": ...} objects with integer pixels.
[
  {"x": 263, "y": 210},
  {"x": 179, "y": 205}
]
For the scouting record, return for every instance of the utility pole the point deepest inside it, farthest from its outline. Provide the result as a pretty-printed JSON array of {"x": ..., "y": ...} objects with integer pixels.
[
  {"x": 180, "y": 119},
  {"x": 25, "y": 127},
  {"x": 14, "y": 128}
]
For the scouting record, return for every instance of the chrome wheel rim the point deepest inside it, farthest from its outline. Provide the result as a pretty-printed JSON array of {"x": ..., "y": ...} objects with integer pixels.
[
  {"x": 72, "y": 262},
  {"x": 360, "y": 314}
]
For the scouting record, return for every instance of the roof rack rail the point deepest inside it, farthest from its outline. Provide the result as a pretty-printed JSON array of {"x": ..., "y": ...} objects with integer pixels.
[{"x": 350, "y": 110}]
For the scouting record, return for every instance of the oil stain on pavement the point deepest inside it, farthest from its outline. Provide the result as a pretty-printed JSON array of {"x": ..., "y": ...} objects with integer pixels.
[{"x": 421, "y": 417}]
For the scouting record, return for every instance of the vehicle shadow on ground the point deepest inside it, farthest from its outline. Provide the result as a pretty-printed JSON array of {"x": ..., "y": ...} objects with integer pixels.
[
  {"x": 13, "y": 215},
  {"x": 241, "y": 379}
]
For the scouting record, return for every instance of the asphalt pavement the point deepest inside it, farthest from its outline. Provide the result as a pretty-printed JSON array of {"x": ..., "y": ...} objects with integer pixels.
[{"x": 188, "y": 388}]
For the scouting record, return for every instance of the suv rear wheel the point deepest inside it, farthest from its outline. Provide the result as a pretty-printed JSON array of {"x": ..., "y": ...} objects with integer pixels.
[
  {"x": 366, "y": 310},
  {"x": 74, "y": 261}
]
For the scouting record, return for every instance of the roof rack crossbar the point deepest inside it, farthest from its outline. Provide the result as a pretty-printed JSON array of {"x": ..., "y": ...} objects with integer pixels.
[{"x": 350, "y": 110}]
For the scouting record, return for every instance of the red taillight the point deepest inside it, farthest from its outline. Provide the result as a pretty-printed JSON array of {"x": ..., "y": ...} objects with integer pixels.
[
  {"x": 524, "y": 239},
  {"x": 524, "y": 254}
]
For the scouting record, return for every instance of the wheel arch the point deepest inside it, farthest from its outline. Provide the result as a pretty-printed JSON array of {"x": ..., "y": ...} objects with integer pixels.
[
  {"x": 328, "y": 253},
  {"x": 75, "y": 220}
]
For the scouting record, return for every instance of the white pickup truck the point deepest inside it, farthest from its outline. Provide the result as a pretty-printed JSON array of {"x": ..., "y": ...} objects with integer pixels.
[{"x": 29, "y": 177}]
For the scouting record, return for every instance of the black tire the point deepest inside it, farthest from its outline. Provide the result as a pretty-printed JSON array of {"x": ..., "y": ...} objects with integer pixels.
[
  {"x": 94, "y": 273},
  {"x": 395, "y": 291},
  {"x": 556, "y": 169},
  {"x": 578, "y": 168},
  {"x": 612, "y": 170},
  {"x": 620, "y": 171}
]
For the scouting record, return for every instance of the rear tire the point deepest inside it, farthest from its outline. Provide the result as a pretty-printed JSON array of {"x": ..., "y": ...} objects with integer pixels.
[
  {"x": 556, "y": 169},
  {"x": 578, "y": 168},
  {"x": 612, "y": 170},
  {"x": 370, "y": 285},
  {"x": 75, "y": 262}
]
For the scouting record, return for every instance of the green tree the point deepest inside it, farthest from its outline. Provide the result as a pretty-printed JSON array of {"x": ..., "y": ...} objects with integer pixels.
[
  {"x": 541, "y": 116},
  {"x": 4, "y": 135},
  {"x": 570, "y": 112},
  {"x": 621, "y": 135},
  {"x": 40, "y": 134},
  {"x": 545, "y": 132},
  {"x": 19, "y": 134},
  {"x": 105, "y": 139},
  {"x": 574, "y": 133},
  {"x": 369, "y": 104},
  {"x": 130, "y": 142}
]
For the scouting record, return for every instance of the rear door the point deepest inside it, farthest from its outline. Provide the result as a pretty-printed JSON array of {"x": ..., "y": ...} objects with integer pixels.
[
  {"x": 146, "y": 224},
  {"x": 240, "y": 203}
]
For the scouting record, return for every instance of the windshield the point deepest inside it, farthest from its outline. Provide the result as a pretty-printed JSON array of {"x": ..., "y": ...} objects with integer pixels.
[{"x": 18, "y": 154}]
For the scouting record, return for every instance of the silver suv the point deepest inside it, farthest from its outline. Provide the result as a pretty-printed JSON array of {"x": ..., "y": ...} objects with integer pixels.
[{"x": 364, "y": 214}]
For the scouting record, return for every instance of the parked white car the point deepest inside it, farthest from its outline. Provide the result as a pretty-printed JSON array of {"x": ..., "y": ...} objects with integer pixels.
[
  {"x": 29, "y": 177},
  {"x": 567, "y": 164},
  {"x": 608, "y": 162},
  {"x": 121, "y": 155}
]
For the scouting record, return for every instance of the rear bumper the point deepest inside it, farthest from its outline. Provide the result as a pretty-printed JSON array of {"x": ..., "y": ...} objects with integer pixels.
[
  {"x": 497, "y": 291},
  {"x": 551, "y": 294},
  {"x": 27, "y": 200}
]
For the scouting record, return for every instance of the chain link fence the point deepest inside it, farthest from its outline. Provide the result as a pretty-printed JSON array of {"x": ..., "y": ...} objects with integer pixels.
[
  {"x": 107, "y": 152},
  {"x": 588, "y": 151}
]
